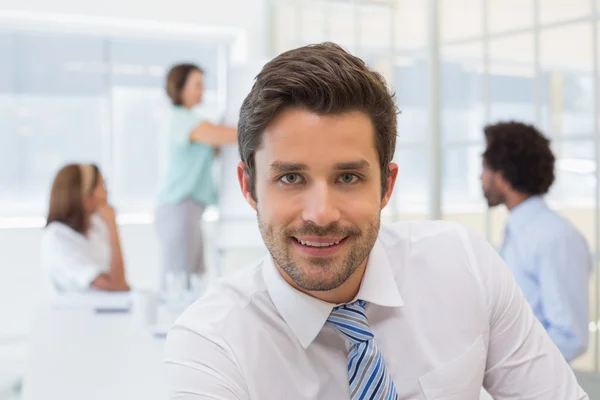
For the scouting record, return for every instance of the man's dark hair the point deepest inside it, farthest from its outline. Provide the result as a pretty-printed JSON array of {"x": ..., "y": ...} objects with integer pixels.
[
  {"x": 522, "y": 155},
  {"x": 324, "y": 79}
]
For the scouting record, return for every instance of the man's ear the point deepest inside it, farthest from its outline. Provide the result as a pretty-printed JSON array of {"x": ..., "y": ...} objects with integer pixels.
[
  {"x": 390, "y": 183},
  {"x": 244, "y": 181}
]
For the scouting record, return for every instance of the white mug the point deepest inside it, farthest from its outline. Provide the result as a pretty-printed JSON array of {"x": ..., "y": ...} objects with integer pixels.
[{"x": 145, "y": 306}]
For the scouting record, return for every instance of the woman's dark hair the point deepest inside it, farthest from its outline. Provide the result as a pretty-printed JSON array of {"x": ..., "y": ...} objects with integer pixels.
[
  {"x": 522, "y": 155},
  {"x": 324, "y": 79},
  {"x": 66, "y": 196},
  {"x": 176, "y": 79}
]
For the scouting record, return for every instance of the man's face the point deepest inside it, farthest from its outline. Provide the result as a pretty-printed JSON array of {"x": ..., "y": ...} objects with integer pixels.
[
  {"x": 318, "y": 192},
  {"x": 490, "y": 183}
]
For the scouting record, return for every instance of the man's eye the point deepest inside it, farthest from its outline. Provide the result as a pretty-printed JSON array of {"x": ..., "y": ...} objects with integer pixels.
[
  {"x": 348, "y": 178},
  {"x": 290, "y": 179}
]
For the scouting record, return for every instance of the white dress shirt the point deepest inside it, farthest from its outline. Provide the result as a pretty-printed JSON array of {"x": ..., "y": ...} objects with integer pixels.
[
  {"x": 72, "y": 260},
  {"x": 445, "y": 311}
]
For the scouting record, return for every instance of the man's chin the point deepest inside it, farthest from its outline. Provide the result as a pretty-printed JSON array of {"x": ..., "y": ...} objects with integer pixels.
[
  {"x": 317, "y": 277},
  {"x": 318, "y": 285},
  {"x": 492, "y": 204}
]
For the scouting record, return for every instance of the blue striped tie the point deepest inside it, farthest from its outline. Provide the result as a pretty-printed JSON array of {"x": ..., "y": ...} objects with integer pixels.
[{"x": 368, "y": 376}]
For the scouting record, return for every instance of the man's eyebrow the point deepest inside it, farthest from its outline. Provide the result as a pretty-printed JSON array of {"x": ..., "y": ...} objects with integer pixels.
[
  {"x": 353, "y": 165},
  {"x": 284, "y": 167},
  {"x": 288, "y": 167}
]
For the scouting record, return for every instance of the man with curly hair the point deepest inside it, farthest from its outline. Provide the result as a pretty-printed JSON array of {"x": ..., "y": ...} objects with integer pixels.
[{"x": 549, "y": 258}]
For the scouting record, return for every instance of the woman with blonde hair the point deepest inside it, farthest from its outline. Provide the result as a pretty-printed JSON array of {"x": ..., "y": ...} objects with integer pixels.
[{"x": 81, "y": 248}]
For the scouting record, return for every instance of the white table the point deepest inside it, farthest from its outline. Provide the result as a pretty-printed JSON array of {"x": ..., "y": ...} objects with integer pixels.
[{"x": 77, "y": 354}]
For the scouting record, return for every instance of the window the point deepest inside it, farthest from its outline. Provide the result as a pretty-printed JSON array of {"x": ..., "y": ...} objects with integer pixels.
[
  {"x": 68, "y": 97},
  {"x": 49, "y": 115}
]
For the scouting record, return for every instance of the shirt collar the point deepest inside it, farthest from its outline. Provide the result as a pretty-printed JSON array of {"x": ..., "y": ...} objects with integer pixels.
[
  {"x": 306, "y": 315},
  {"x": 523, "y": 212}
]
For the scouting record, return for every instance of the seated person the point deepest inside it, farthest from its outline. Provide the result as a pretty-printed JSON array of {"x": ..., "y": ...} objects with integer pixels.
[{"x": 80, "y": 245}]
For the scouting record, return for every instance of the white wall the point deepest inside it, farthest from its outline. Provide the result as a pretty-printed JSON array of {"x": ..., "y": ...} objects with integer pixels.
[{"x": 250, "y": 15}]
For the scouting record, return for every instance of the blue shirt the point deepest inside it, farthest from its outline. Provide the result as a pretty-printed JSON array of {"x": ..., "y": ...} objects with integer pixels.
[
  {"x": 188, "y": 171},
  {"x": 551, "y": 263}
]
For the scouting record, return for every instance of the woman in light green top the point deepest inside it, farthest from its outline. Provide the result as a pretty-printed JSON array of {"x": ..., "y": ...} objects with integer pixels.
[{"x": 187, "y": 187}]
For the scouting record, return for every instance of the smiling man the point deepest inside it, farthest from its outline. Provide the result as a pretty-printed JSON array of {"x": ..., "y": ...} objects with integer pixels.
[{"x": 343, "y": 308}]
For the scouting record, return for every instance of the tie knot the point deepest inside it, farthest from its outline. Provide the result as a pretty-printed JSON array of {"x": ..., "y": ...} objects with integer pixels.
[{"x": 351, "y": 320}]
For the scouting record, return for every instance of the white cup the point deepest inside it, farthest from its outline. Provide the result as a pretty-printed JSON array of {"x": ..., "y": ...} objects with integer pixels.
[{"x": 145, "y": 306}]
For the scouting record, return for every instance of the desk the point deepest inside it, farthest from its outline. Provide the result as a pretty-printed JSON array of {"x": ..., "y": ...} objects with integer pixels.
[{"x": 78, "y": 354}]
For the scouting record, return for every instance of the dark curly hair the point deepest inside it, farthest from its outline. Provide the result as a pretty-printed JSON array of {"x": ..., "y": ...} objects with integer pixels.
[{"x": 521, "y": 154}]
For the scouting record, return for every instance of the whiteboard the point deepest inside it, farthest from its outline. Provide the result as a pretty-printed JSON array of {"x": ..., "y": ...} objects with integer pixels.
[{"x": 232, "y": 205}]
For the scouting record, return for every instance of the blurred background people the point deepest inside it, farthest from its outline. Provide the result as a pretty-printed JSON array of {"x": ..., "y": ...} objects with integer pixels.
[
  {"x": 187, "y": 185},
  {"x": 80, "y": 248},
  {"x": 549, "y": 258}
]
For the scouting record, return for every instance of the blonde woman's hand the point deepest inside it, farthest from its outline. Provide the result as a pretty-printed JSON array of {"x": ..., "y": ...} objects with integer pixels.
[{"x": 107, "y": 213}]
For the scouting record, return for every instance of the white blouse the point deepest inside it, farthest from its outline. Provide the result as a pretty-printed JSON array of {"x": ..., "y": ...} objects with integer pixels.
[{"x": 72, "y": 260}]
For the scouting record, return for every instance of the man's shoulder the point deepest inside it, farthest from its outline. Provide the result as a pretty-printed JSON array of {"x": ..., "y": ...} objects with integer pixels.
[
  {"x": 226, "y": 301},
  {"x": 58, "y": 234},
  {"x": 415, "y": 231},
  {"x": 440, "y": 246},
  {"x": 553, "y": 229}
]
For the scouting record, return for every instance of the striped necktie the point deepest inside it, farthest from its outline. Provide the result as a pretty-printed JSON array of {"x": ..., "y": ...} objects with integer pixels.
[{"x": 367, "y": 373}]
